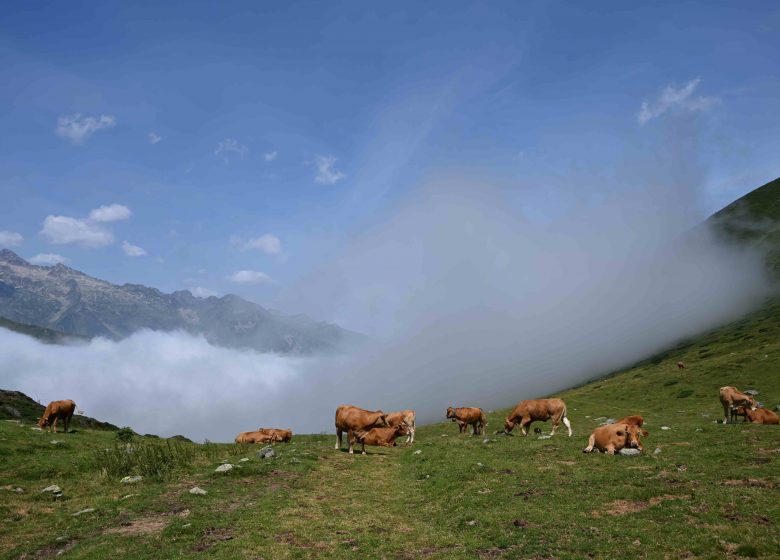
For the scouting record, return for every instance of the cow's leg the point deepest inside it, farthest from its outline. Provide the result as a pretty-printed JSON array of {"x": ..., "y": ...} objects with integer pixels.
[
  {"x": 567, "y": 424},
  {"x": 338, "y": 438},
  {"x": 525, "y": 425},
  {"x": 611, "y": 449},
  {"x": 54, "y": 425},
  {"x": 725, "y": 414},
  {"x": 554, "y": 427},
  {"x": 591, "y": 443}
]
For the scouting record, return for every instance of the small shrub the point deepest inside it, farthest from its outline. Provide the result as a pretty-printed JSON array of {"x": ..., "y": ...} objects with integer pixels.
[
  {"x": 685, "y": 393},
  {"x": 152, "y": 460},
  {"x": 125, "y": 435}
]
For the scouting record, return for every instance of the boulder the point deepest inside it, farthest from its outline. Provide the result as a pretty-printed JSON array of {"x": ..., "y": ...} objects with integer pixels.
[
  {"x": 198, "y": 491},
  {"x": 266, "y": 453},
  {"x": 224, "y": 468},
  {"x": 629, "y": 452}
]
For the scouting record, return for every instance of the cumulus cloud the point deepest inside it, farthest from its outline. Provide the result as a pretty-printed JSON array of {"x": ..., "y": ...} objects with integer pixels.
[
  {"x": 250, "y": 277},
  {"x": 78, "y": 128},
  {"x": 111, "y": 213},
  {"x": 48, "y": 259},
  {"x": 132, "y": 250},
  {"x": 63, "y": 230},
  {"x": 672, "y": 97},
  {"x": 10, "y": 238},
  {"x": 230, "y": 147},
  {"x": 268, "y": 244},
  {"x": 270, "y": 156},
  {"x": 326, "y": 171},
  {"x": 154, "y": 138}
]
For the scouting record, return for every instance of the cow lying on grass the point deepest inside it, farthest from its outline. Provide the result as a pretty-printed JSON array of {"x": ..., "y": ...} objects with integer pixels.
[
  {"x": 383, "y": 437},
  {"x": 281, "y": 435},
  {"x": 614, "y": 437},
  {"x": 256, "y": 437},
  {"x": 731, "y": 399},
  {"x": 526, "y": 412},
  {"x": 757, "y": 416},
  {"x": 57, "y": 410},
  {"x": 353, "y": 419},
  {"x": 468, "y": 416},
  {"x": 403, "y": 417}
]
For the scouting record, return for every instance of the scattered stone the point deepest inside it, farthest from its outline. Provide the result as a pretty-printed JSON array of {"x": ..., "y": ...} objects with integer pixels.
[
  {"x": 472, "y": 522},
  {"x": 486, "y": 440},
  {"x": 266, "y": 453},
  {"x": 54, "y": 489},
  {"x": 224, "y": 468},
  {"x": 57, "y": 442},
  {"x": 665, "y": 428},
  {"x": 295, "y": 460},
  {"x": 600, "y": 419},
  {"x": 629, "y": 452},
  {"x": 127, "y": 497},
  {"x": 480, "y": 465},
  {"x": 36, "y": 428},
  {"x": 751, "y": 392},
  {"x": 244, "y": 460},
  {"x": 544, "y": 437},
  {"x": 131, "y": 479},
  {"x": 657, "y": 451},
  {"x": 198, "y": 491},
  {"x": 698, "y": 430},
  {"x": 610, "y": 421},
  {"x": 63, "y": 538},
  {"x": 418, "y": 452},
  {"x": 587, "y": 417},
  {"x": 83, "y": 511},
  {"x": 484, "y": 491},
  {"x": 186, "y": 525}
]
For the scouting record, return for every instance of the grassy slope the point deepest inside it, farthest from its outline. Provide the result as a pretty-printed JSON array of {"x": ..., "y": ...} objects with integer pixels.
[{"x": 47, "y": 336}]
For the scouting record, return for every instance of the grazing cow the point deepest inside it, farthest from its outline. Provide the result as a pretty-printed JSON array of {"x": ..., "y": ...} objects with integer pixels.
[
  {"x": 351, "y": 418},
  {"x": 731, "y": 398},
  {"x": 57, "y": 410},
  {"x": 384, "y": 437},
  {"x": 281, "y": 435},
  {"x": 614, "y": 437},
  {"x": 403, "y": 417},
  {"x": 526, "y": 412},
  {"x": 468, "y": 416},
  {"x": 757, "y": 416},
  {"x": 680, "y": 365},
  {"x": 256, "y": 437},
  {"x": 634, "y": 420}
]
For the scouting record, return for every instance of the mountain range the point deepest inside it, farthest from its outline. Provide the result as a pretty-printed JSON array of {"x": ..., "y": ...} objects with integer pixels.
[{"x": 66, "y": 300}]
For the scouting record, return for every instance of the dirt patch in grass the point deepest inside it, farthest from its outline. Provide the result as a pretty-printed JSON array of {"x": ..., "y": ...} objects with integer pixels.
[
  {"x": 143, "y": 526},
  {"x": 50, "y": 551},
  {"x": 289, "y": 538},
  {"x": 212, "y": 536},
  {"x": 749, "y": 482},
  {"x": 623, "y": 507}
]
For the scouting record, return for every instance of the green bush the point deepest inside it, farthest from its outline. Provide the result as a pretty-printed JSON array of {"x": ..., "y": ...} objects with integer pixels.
[
  {"x": 125, "y": 435},
  {"x": 152, "y": 460}
]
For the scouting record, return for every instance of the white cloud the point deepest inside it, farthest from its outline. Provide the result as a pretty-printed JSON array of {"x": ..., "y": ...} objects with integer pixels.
[
  {"x": 62, "y": 230},
  {"x": 201, "y": 292},
  {"x": 132, "y": 250},
  {"x": 250, "y": 277},
  {"x": 326, "y": 173},
  {"x": 268, "y": 244},
  {"x": 47, "y": 259},
  {"x": 78, "y": 128},
  {"x": 230, "y": 146},
  {"x": 672, "y": 97},
  {"x": 270, "y": 156},
  {"x": 10, "y": 238},
  {"x": 111, "y": 213},
  {"x": 154, "y": 138}
]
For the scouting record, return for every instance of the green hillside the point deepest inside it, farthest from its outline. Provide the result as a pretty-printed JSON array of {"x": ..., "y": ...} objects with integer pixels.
[{"x": 47, "y": 336}]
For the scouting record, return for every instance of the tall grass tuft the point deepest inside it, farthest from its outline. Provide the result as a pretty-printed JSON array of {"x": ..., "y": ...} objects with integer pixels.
[{"x": 152, "y": 460}]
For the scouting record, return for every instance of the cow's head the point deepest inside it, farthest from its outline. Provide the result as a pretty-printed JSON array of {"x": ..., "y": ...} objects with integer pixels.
[
  {"x": 633, "y": 434},
  {"x": 402, "y": 429},
  {"x": 382, "y": 421},
  {"x": 509, "y": 425},
  {"x": 43, "y": 421},
  {"x": 450, "y": 412},
  {"x": 751, "y": 402}
]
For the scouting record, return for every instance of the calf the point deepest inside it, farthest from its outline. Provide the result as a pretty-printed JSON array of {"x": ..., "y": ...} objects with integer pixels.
[
  {"x": 256, "y": 437},
  {"x": 614, "y": 437},
  {"x": 351, "y": 418},
  {"x": 468, "y": 416},
  {"x": 731, "y": 398},
  {"x": 281, "y": 435},
  {"x": 57, "y": 410},
  {"x": 526, "y": 412},
  {"x": 403, "y": 417},
  {"x": 757, "y": 416},
  {"x": 384, "y": 437}
]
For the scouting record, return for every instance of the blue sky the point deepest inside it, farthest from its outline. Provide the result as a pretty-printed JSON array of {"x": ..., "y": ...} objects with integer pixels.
[{"x": 232, "y": 147}]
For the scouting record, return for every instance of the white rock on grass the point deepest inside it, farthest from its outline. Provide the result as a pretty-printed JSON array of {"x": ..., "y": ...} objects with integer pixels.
[
  {"x": 629, "y": 452},
  {"x": 544, "y": 437},
  {"x": 267, "y": 452},
  {"x": 36, "y": 428},
  {"x": 657, "y": 451},
  {"x": 83, "y": 511},
  {"x": 665, "y": 428},
  {"x": 198, "y": 491},
  {"x": 54, "y": 489},
  {"x": 244, "y": 460},
  {"x": 418, "y": 452},
  {"x": 56, "y": 442},
  {"x": 127, "y": 497},
  {"x": 224, "y": 468},
  {"x": 131, "y": 479},
  {"x": 752, "y": 392}
]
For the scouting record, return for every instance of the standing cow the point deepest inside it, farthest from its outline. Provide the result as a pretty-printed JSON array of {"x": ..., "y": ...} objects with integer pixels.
[
  {"x": 406, "y": 417},
  {"x": 731, "y": 398},
  {"x": 57, "y": 410},
  {"x": 468, "y": 416},
  {"x": 351, "y": 419},
  {"x": 526, "y": 412}
]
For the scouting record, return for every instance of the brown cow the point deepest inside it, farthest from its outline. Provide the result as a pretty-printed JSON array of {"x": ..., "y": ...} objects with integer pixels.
[
  {"x": 351, "y": 418},
  {"x": 468, "y": 416},
  {"x": 526, "y": 412},
  {"x": 384, "y": 437},
  {"x": 758, "y": 416},
  {"x": 56, "y": 410},
  {"x": 256, "y": 437},
  {"x": 731, "y": 398},
  {"x": 281, "y": 435},
  {"x": 634, "y": 420},
  {"x": 614, "y": 437},
  {"x": 680, "y": 365},
  {"x": 403, "y": 417}
]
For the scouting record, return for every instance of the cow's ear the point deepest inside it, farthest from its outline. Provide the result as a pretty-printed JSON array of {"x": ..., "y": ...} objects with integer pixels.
[
  {"x": 645, "y": 433},
  {"x": 620, "y": 433}
]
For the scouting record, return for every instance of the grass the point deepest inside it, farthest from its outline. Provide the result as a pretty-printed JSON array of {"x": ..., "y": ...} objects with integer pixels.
[{"x": 710, "y": 492}]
